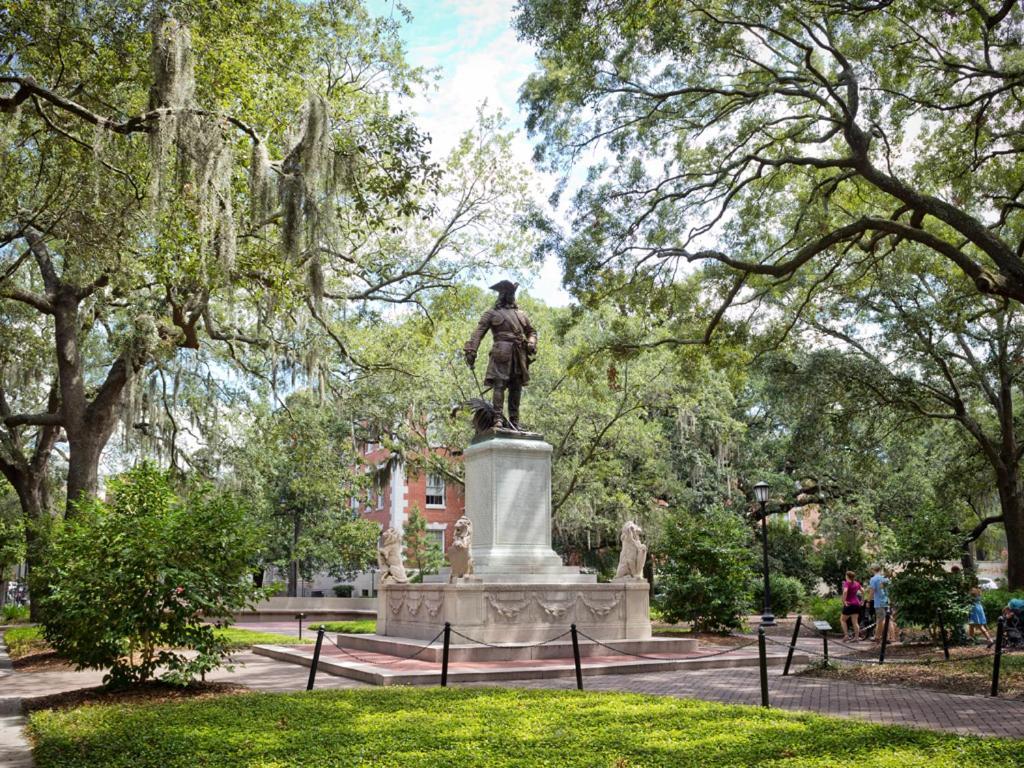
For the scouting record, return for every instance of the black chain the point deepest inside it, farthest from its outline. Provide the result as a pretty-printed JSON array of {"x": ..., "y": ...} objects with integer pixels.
[
  {"x": 387, "y": 663},
  {"x": 491, "y": 645},
  {"x": 663, "y": 658}
]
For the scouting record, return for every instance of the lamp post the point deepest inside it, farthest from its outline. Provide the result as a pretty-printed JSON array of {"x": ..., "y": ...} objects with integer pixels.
[{"x": 761, "y": 495}]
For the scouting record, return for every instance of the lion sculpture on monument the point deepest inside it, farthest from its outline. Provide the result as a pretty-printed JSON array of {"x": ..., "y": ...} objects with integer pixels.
[
  {"x": 633, "y": 553},
  {"x": 459, "y": 552},
  {"x": 389, "y": 558}
]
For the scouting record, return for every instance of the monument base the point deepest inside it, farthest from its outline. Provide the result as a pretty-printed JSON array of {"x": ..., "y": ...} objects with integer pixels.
[{"x": 515, "y": 612}]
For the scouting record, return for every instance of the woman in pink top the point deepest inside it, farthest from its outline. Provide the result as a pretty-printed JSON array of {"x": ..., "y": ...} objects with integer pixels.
[{"x": 851, "y": 606}]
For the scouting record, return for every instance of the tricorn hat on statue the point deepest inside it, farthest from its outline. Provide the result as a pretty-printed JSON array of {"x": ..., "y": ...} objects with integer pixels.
[{"x": 504, "y": 286}]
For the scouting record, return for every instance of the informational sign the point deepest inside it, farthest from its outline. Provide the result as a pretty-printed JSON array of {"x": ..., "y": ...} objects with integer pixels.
[{"x": 823, "y": 626}]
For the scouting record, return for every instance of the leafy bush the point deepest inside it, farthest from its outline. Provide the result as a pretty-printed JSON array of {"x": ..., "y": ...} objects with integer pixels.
[
  {"x": 921, "y": 590},
  {"x": 824, "y": 609},
  {"x": 787, "y": 594},
  {"x": 505, "y": 728},
  {"x": 135, "y": 577},
  {"x": 23, "y": 641},
  {"x": 14, "y": 614},
  {"x": 994, "y": 600},
  {"x": 358, "y": 627},
  {"x": 791, "y": 552},
  {"x": 705, "y": 576},
  {"x": 342, "y": 590}
]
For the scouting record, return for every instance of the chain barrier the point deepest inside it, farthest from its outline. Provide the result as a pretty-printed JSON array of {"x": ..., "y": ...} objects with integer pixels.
[
  {"x": 492, "y": 645},
  {"x": 897, "y": 662},
  {"x": 387, "y": 663},
  {"x": 663, "y": 658}
]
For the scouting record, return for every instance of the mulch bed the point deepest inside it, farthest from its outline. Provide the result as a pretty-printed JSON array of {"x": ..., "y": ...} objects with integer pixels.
[
  {"x": 44, "y": 661},
  {"x": 933, "y": 674},
  {"x": 154, "y": 692}
]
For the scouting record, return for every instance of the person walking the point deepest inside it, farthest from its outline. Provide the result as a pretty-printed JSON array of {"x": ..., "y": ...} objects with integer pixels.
[
  {"x": 879, "y": 584},
  {"x": 851, "y": 607},
  {"x": 976, "y": 620}
]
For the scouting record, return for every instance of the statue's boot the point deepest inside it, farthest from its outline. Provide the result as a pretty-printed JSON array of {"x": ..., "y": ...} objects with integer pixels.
[
  {"x": 515, "y": 393},
  {"x": 498, "y": 401}
]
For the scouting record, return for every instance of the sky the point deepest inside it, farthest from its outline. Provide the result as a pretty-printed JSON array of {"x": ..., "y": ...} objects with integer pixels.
[{"x": 478, "y": 58}]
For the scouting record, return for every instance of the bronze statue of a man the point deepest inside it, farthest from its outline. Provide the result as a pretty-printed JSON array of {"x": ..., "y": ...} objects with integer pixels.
[{"x": 515, "y": 344}]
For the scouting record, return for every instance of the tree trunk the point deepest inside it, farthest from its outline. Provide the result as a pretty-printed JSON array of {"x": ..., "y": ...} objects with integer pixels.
[
  {"x": 1011, "y": 499},
  {"x": 293, "y": 566},
  {"x": 32, "y": 494},
  {"x": 83, "y": 470}
]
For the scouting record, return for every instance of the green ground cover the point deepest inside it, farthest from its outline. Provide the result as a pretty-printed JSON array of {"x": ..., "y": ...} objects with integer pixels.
[
  {"x": 23, "y": 641},
  {"x": 421, "y": 728},
  {"x": 243, "y": 638},
  {"x": 358, "y": 627}
]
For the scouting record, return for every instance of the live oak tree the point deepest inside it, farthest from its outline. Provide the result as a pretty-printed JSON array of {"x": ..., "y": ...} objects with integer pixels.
[
  {"x": 209, "y": 193},
  {"x": 768, "y": 136},
  {"x": 926, "y": 346}
]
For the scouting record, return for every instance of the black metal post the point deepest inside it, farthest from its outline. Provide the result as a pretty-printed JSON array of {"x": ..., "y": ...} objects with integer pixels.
[
  {"x": 576, "y": 657},
  {"x": 1000, "y": 625},
  {"x": 885, "y": 636},
  {"x": 824, "y": 646},
  {"x": 762, "y": 655},
  {"x": 792, "y": 644},
  {"x": 316, "y": 658},
  {"x": 444, "y": 654},
  {"x": 300, "y": 617},
  {"x": 767, "y": 619},
  {"x": 945, "y": 640}
]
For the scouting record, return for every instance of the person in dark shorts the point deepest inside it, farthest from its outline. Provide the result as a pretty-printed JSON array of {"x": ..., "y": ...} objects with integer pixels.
[{"x": 851, "y": 606}]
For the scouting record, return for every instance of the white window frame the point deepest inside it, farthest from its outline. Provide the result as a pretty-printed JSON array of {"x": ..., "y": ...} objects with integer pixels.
[{"x": 427, "y": 495}]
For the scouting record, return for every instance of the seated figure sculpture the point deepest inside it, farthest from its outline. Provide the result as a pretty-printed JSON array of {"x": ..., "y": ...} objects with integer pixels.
[
  {"x": 459, "y": 553},
  {"x": 389, "y": 558},
  {"x": 633, "y": 553}
]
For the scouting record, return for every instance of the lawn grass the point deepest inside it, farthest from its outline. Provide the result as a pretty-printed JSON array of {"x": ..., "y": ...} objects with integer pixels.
[
  {"x": 506, "y": 728},
  {"x": 24, "y": 641},
  {"x": 358, "y": 627},
  {"x": 243, "y": 638}
]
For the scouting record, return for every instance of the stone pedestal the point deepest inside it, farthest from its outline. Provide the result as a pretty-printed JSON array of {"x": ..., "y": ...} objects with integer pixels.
[
  {"x": 514, "y": 613},
  {"x": 520, "y": 592}
]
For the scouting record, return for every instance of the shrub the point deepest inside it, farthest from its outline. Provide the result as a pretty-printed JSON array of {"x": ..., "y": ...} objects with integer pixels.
[
  {"x": 825, "y": 609},
  {"x": 23, "y": 641},
  {"x": 342, "y": 590},
  {"x": 921, "y": 590},
  {"x": 705, "y": 575},
  {"x": 14, "y": 614},
  {"x": 787, "y": 594},
  {"x": 138, "y": 576}
]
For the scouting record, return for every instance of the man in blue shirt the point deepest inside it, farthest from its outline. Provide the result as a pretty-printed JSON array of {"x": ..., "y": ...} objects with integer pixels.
[{"x": 880, "y": 597}]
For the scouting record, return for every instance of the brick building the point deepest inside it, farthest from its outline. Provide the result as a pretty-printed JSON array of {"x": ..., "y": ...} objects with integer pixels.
[{"x": 398, "y": 490}]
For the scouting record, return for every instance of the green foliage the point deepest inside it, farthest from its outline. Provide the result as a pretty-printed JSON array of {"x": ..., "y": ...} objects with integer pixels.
[
  {"x": 342, "y": 590},
  {"x": 994, "y": 600},
  {"x": 843, "y": 548},
  {"x": 426, "y": 728},
  {"x": 299, "y": 466},
  {"x": 422, "y": 550},
  {"x": 136, "y": 576},
  {"x": 233, "y": 638},
  {"x": 825, "y": 609},
  {"x": 921, "y": 590},
  {"x": 705, "y": 574},
  {"x": 791, "y": 552},
  {"x": 24, "y": 641},
  {"x": 358, "y": 627},
  {"x": 788, "y": 594},
  {"x": 14, "y": 614}
]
